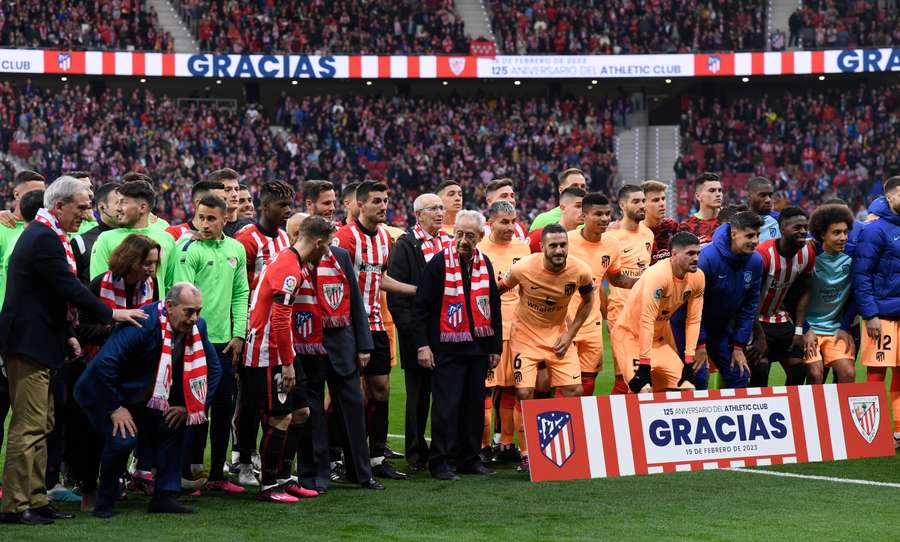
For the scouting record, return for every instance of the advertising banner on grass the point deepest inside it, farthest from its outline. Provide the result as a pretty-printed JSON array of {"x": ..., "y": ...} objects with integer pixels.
[
  {"x": 622, "y": 435},
  {"x": 298, "y": 66}
]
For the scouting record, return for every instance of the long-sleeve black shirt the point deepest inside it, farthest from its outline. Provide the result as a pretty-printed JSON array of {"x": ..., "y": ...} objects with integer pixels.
[{"x": 426, "y": 313}]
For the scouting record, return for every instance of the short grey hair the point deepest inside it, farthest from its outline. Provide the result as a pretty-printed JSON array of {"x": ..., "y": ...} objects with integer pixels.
[
  {"x": 501, "y": 207},
  {"x": 474, "y": 215},
  {"x": 63, "y": 189},
  {"x": 419, "y": 202},
  {"x": 173, "y": 296}
]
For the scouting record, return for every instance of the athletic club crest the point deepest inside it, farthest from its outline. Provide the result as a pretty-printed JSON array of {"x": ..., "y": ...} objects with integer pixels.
[
  {"x": 555, "y": 435},
  {"x": 334, "y": 294},
  {"x": 198, "y": 388},
  {"x": 866, "y": 414},
  {"x": 483, "y": 303},
  {"x": 303, "y": 323},
  {"x": 233, "y": 262},
  {"x": 457, "y": 65},
  {"x": 454, "y": 314}
]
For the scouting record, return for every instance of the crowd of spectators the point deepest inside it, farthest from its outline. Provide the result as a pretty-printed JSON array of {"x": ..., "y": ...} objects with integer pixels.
[
  {"x": 326, "y": 26},
  {"x": 623, "y": 26},
  {"x": 844, "y": 23},
  {"x": 412, "y": 142},
  {"x": 78, "y": 25},
  {"x": 814, "y": 143}
]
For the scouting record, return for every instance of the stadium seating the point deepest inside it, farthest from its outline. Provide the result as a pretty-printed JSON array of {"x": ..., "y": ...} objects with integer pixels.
[
  {"x": 820, "y": 23},
  {"x": 320, "y": 26},
  {"x": 815, "y": 143},
  {"x": 78, "y": 25},
  {"x": 617, "y": 26}
]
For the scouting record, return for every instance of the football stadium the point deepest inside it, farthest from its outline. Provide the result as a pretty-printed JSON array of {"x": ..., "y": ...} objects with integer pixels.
[{"x": 449, "y": 269}]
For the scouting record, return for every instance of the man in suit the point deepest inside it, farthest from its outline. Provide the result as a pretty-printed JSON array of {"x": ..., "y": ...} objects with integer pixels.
[
  {"x": 458, "y": 335},
  {"x": 121, "y": 389},
  {"x": 347, "y": 341},
  {"x": 411, "y": 252},
  {"x": 35, "y": 332}
]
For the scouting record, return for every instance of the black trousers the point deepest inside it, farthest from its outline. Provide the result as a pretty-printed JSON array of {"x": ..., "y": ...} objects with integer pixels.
[
  {"x": 347, "y": 407},
  {"x": 457, "y": 418},
  {"x": 418, "y": 402}
]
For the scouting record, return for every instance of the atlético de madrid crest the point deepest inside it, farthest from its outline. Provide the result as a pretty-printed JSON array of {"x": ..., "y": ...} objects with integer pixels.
[
  {"x": 556, "y": 436},
  {"x": 866, "y": 414}
]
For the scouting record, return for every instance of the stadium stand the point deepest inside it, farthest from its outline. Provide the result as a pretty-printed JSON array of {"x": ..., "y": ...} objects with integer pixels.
[
  {"x": 617, "y": 26},
  {"x": 77, "y": 25},
  {"x": 814, "y": 143},
  {"x": 335, "y": 26},
  {"x": 818, "y": 24}
]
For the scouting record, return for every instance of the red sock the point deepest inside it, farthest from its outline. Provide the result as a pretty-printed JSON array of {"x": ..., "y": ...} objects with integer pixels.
[
  {"x": 520, "y": 427},
  {"x": 486, "y": 433},
  {"x": 507, "y": 416},
  {"x": 876, "y": 374},
  {"x": 587, "y": 384},
  {"x": 620, "y": 387}
]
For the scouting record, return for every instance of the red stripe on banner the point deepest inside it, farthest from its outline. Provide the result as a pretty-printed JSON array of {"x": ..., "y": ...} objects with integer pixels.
[
  {"x": 412, "y": 67},
  {"x": 797, "y": 424},
  {"x": 109, "y": 63},
  {"x": 355, "y": 67},
  {"x": 818, "y": 394},
  {"x": 457, "y": 66},
  {"x": 138, "y": 64},
  {"x": 787, "y": 62},
  {"x": 64, "y": 62},
  {"x": 818, "y": 61},
  {"x": 757, "y": 64},
  {"x": 168, "y": 64},
  {"x": 635, "y": 427},
  {"x": 608, "y": 436},
  {"x": 384, "y": 67}
]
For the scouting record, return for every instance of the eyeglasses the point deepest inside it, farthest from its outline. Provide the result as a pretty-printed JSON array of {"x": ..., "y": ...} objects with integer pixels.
[{"x": 433, "y": 208}]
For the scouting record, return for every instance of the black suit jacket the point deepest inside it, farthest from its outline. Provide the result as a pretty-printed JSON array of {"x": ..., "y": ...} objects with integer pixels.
[
  {"x": 406, "y": 264},
  {"x": 39, "y": 288},
  {"x": 343, "y": 343}
]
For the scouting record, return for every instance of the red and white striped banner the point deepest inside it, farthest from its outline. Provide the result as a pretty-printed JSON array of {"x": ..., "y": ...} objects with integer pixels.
[
  {"x": 622, "y": 435},
  {"x": 449, "y": 67}
]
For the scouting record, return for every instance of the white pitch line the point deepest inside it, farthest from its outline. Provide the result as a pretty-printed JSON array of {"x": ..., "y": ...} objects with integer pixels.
[{"x": 821, "y": 478}]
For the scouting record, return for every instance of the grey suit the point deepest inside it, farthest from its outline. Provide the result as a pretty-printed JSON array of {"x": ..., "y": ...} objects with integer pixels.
[{"x": 339, "y": 369}]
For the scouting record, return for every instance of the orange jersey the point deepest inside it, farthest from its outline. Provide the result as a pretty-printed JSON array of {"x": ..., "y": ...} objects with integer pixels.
[
  {"x": 601, "y": 257},
  {"x": 634, "y": 259},
  {"x": 653, "y": 300},
  {"x": 545, "y": 295},
  {"x": 386, "y": 315},
  {"x": 503, "y": 257}
]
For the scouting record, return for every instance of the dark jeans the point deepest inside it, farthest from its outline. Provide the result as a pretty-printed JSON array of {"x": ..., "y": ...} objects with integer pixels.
[
  {"x": 167, "y": 454},
  {"x": 218, "y": 429},
  {"x": 418, "y": 403},
  {"x": 457, "y": 413},
  {"x": 314, "y": 464}
]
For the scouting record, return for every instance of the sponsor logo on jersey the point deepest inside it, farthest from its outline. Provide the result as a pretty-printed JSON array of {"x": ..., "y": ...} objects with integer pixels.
[
  {"x": 866, "y": 413},
  {"x": 557, "y": 441}
]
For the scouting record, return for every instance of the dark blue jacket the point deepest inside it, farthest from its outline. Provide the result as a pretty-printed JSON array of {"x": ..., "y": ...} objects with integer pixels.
[
  {"x": 124, "y": 370},
  {"x": 731, "y": 297},
  {"x": 876, "y": 264}
]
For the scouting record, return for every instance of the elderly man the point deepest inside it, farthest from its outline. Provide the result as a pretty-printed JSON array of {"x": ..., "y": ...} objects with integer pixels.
[
  {"x": 35, "y": 330},
  {"x": 157, "y": 379},
  {"x": 411, "y": 252},
  {"x": 458, "y": 333}
]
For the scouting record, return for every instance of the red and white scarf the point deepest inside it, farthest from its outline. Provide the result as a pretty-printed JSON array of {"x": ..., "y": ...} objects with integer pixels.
[
  {"x": 193, "y": 374},
  {"x": 307, "y": 317},
  {"x": 112, "y": 292},
  {"x": 44, "y": 217},
  {"x": 333, "y": 292},
  {"x": 431, "y": 244},
  {"x": 454, "y": 317}
]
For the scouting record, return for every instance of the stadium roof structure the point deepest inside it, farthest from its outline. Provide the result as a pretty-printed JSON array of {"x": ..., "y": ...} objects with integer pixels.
[{"x": 834, "y": 61}]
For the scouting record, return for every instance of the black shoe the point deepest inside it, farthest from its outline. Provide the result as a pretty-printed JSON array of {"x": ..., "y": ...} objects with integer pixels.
[
  {"x": 416, "y": 466},
  {"x": 486, "y": 455},
  {"x": 28, "y": 517},
  {"x": 337, "y": 471},
  {"x": 372, "y": 484},
  {"x": 509, "y": 454},
  {"x": 166, "y": 504},
  {"x": 480, "y": 470},
  {"x": 391, "y": 454},
  {"x": 103, "y": 513},
  {"x": 446, "y": 476},
  {"x": 51, "y": 513},
  {"x": 386, "y": 470}
]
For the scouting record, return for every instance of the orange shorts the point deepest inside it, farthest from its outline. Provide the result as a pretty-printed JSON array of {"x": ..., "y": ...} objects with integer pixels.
[
  {"x": 502, "y": 374},
  {"x": 829, "y": 350},
  {"x": 665, "y": 364},
  {"x": 590, "y": 349},
  {"x": 883, "y": 352},
  {"x": 529, "y": 351}
]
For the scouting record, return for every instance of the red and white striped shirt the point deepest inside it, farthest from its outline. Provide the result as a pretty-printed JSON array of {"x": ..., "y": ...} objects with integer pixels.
[
  {"x": 521, "y": 232},
  {"x": 370, "y": 255},
  {"x": 270, "y": 337},
  {"x": 261, "y": 246},
  {"x": 779, "y": 273},
  {"x": 180, "y": 232}
]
